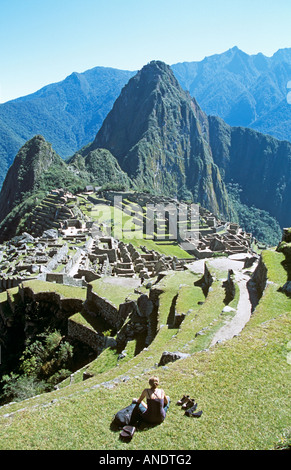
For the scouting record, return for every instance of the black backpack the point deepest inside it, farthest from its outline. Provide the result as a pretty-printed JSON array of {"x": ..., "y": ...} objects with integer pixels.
[{"x": 126, "y": 416}]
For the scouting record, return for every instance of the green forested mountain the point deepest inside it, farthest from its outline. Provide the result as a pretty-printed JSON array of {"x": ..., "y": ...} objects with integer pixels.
[
  {"x": 163, "y": 140},
  {"x": 258, "y": 163},
  {"x": 156, "y": 137},
  {"x": 36, "y": 169},
  {"x": 99, "y": 167}
]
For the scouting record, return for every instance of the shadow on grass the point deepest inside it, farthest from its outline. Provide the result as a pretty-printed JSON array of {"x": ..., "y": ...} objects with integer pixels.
[
  {"x": 140, "y": 425},
  {"x": 287, "y": 266}
]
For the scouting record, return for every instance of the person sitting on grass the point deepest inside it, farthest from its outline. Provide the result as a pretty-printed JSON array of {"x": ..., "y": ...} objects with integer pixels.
[{"x": 157, "y": 403}]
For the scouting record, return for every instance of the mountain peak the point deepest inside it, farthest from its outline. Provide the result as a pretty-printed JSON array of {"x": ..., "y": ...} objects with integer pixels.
[
  {"x": 157, "y": 64},
  {"x": 282, "y": 55},
  {"x": 34, "y": 153},
  {"x": 136, "y": 108},
  {"x": 154, "y": 72},
  {"x": 234, "y": 49},
  {"x": 154, "y": 130}
]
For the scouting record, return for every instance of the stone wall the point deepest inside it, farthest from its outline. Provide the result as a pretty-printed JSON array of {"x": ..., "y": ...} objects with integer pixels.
[
  {"x": 43, "y": 309},
  {"x": 62, "y": 278},
  {"x": 136, "y": 319},
  {"x": 259, "y": 278},
  {"x": 57, "y": 258},
  {"x": 100, "y": 306},
  {"x": 86, "y": 335}
]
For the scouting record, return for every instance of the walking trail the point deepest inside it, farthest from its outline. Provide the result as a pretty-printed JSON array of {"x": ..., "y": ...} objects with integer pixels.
[{"x": 241, "y": 276}]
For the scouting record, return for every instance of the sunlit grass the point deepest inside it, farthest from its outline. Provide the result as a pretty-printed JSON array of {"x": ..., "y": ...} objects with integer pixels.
[{"x": 73, "y": 292}]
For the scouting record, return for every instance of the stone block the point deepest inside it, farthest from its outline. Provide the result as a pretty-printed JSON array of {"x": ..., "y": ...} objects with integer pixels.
[{"x": 171, "y": 357}]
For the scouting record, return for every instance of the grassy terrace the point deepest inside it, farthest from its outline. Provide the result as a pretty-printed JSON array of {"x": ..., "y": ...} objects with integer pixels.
[
  {"x": 115, "y": 290},
  {"x": 164, "y": 247},
  {"x": 63, "y": 290},
  {"x": 95, "y": 324},
  {"x": 242, "y": 385}
]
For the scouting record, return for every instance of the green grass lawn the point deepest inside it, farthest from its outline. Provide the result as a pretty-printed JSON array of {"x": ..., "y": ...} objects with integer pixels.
[
  {"x": 164, "y": 247},
  {"x": 242, "y": 388},
  {"x": 115, "y": 293}
]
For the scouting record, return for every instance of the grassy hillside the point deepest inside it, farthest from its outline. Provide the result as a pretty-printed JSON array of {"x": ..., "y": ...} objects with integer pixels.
[{"x": 242, "y": 385}]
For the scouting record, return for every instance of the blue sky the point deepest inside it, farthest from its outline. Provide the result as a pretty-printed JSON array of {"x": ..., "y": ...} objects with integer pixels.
[{"x": 43, "y": 41}]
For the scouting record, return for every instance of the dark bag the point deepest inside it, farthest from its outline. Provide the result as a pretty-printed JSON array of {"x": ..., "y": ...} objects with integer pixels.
[
  {"x": 127, "y": 432},
  {"x": 126, "y": 416}
]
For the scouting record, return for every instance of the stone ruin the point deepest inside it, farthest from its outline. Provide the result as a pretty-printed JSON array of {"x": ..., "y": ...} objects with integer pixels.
[
  {"x": 64, "y": 248},
  {"x": 211, "y": 237},
  {"x": 51, "y": 258},
  {"x": 51, "y": 213},
  {"x": 219, "y": 237}
]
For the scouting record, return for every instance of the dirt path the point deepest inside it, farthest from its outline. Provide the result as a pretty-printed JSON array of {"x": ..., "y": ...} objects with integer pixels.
[{"x": 243, "y": 311}]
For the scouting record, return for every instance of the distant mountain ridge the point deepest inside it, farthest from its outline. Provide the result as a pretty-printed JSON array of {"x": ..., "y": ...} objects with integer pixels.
[
  {"x": 245, "y": 90},
  {"x": 258, "y": 163},
  {"x": 157, "y": 138}
]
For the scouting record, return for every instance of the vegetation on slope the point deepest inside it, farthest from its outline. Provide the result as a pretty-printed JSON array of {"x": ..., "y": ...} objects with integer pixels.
[
  {"x": 43, "y": 364},
  {"x": 258, "y": 222},
  {"x": 100, "y": 168}
]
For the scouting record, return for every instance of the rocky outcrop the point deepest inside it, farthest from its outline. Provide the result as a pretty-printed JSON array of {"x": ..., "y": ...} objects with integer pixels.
[
  {"x": 285, "y": 248},
  {"x": 206, "y": 280},
  {"x": 137, "y": 320},
  {"x": 229, "y": 287},
  {"x": 171, "y": 357}
]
